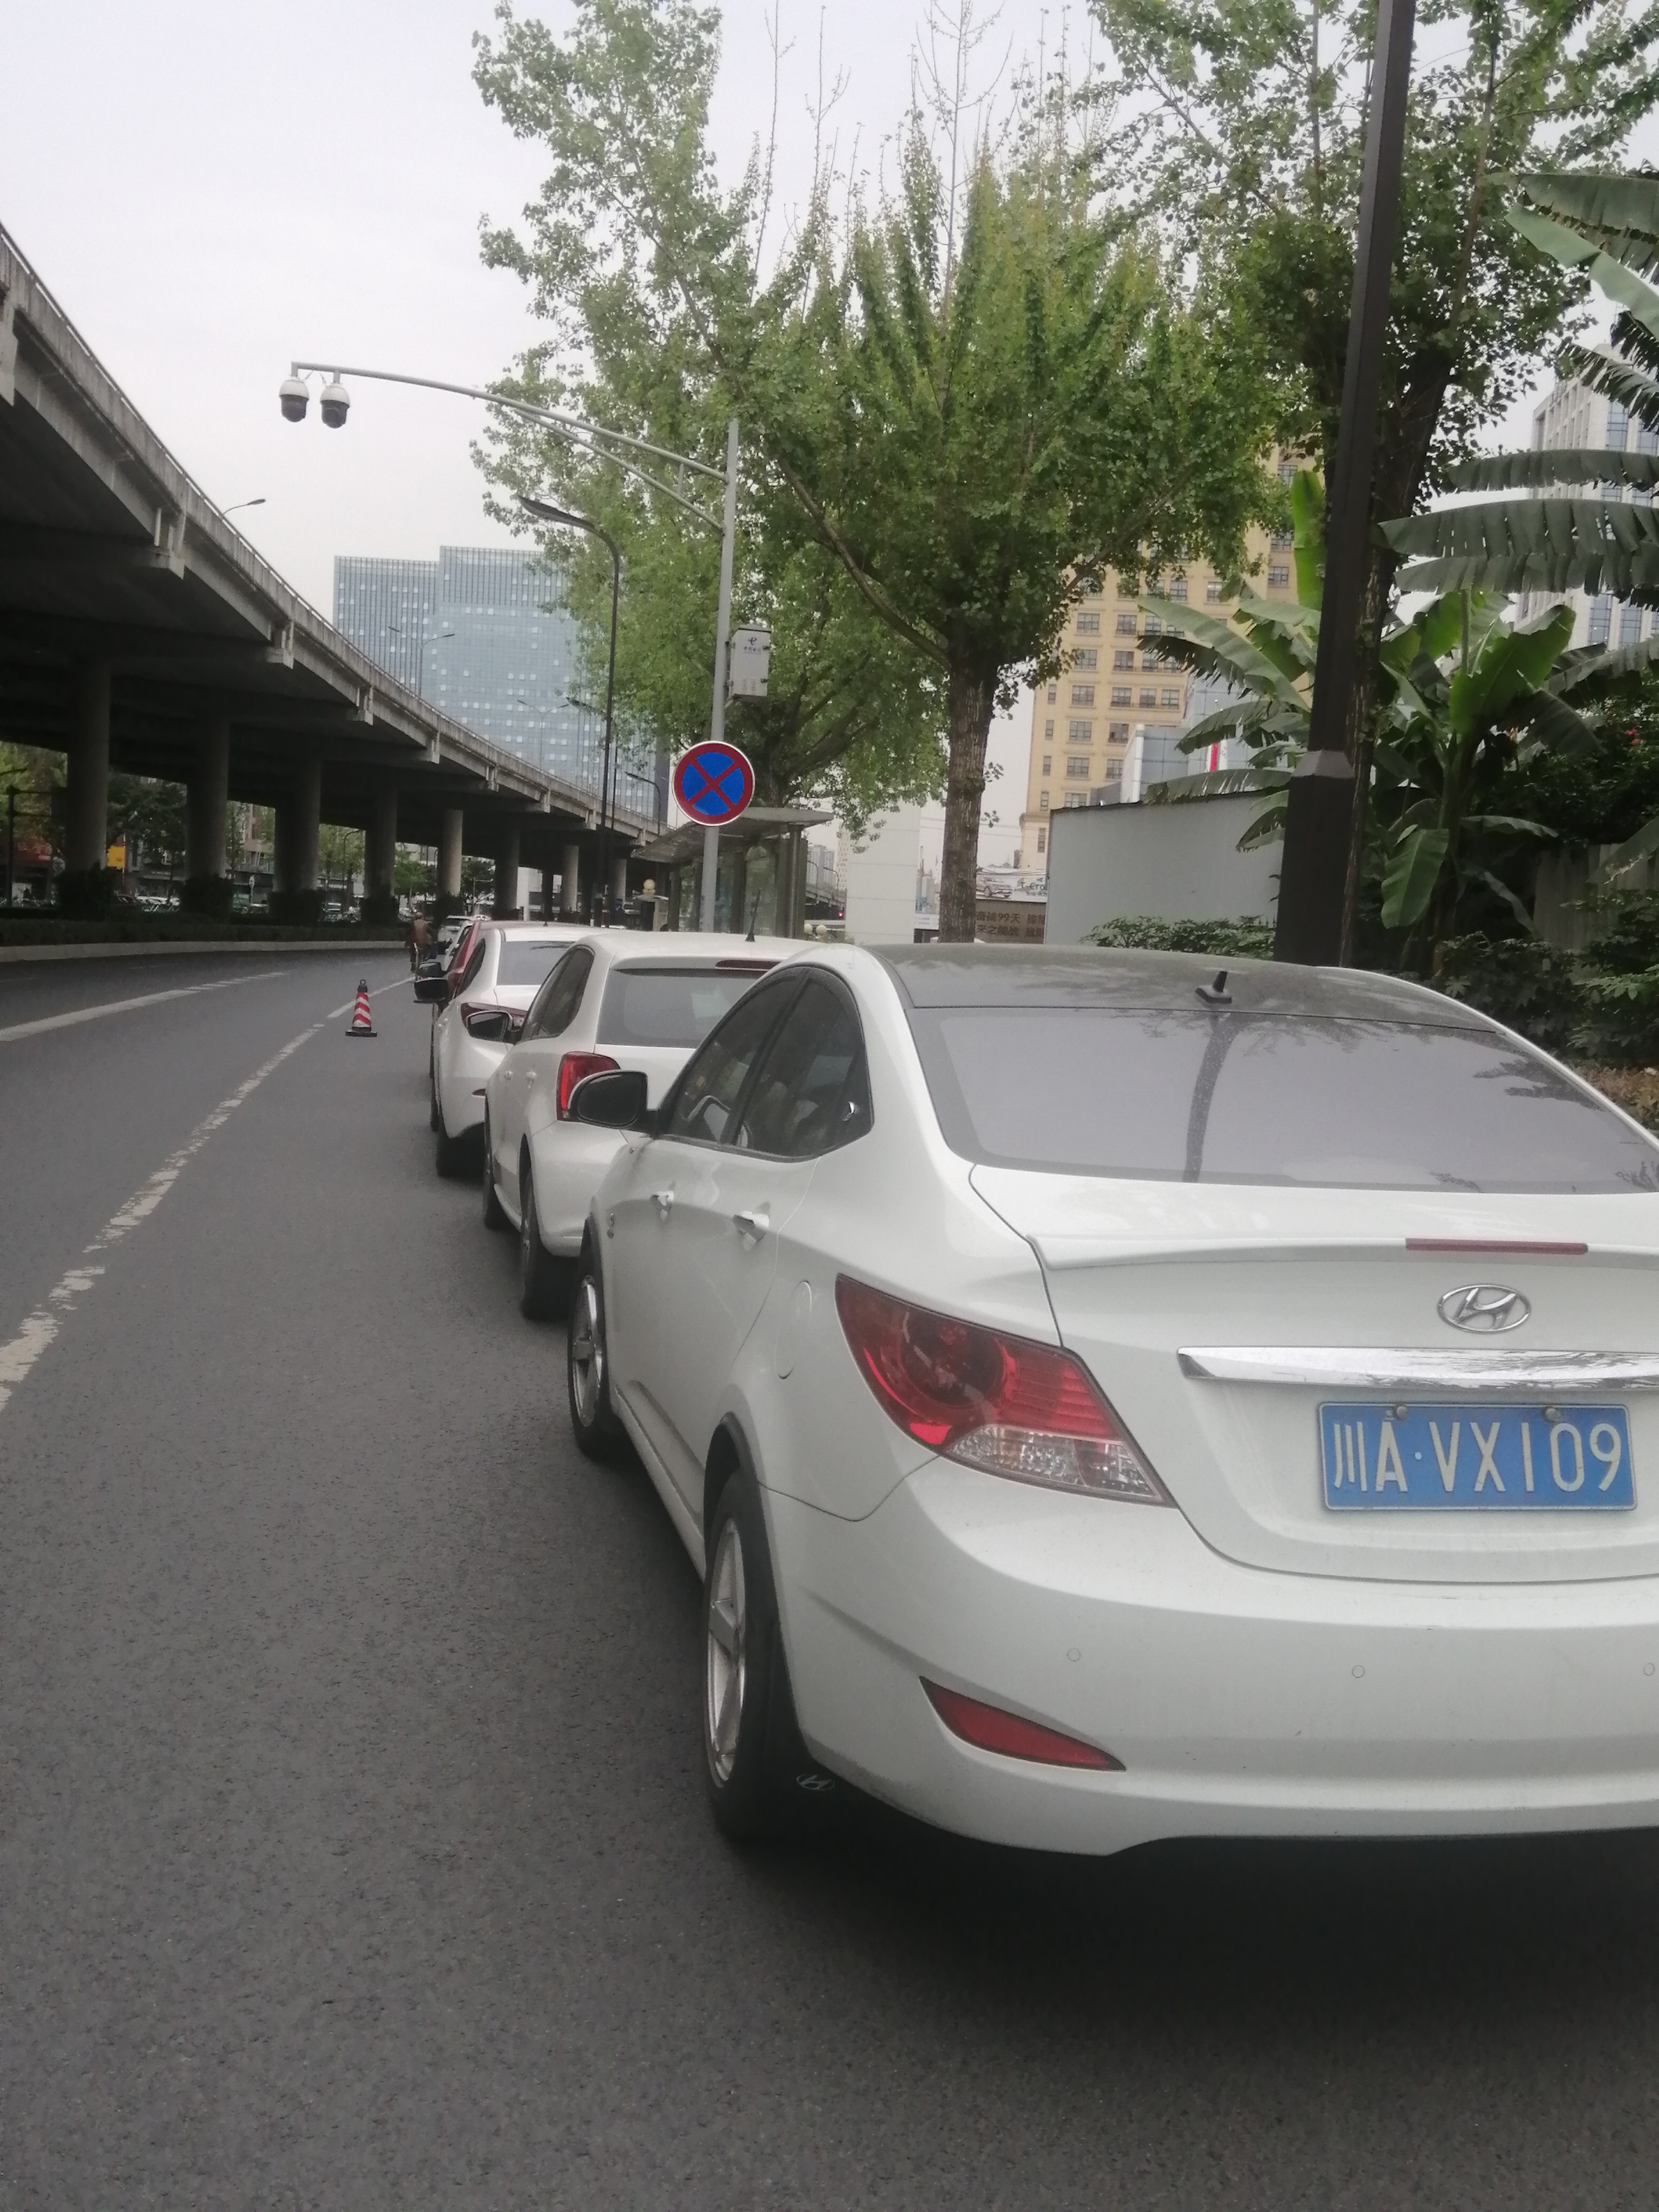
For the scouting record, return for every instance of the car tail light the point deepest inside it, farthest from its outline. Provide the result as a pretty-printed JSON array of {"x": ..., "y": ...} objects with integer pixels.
[
  {"x": 992, "y": 1402},
  {"x": 991, "y": 1728},
  {"x": 572, "y": 1068}
]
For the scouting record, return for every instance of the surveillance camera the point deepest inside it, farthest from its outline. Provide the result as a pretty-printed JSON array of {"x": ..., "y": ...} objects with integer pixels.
[
  {"x": 295, "y": 396},
  {"x": 335, "y": 400}
]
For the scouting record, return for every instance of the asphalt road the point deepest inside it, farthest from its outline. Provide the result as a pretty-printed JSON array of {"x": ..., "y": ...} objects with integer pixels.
[{"x": 352, "y": 1848}]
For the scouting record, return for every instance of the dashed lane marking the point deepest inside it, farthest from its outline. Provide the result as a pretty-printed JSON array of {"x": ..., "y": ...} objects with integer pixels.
[
  {"x": 19, "y": 1030},
  {"x": 42, "y": 1327}
]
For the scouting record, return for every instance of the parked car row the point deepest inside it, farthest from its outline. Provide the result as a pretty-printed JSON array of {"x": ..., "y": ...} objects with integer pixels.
[{"x": 1105, "y": 1399}]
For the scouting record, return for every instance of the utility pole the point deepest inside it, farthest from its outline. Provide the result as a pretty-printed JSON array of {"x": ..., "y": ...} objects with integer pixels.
[
  {"x": 1319, "y": 821},
  {"x": 711, "y": 836}
]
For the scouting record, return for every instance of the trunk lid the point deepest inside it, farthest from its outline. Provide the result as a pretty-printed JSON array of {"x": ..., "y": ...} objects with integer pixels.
[{"x": 1219, "y": 1318}]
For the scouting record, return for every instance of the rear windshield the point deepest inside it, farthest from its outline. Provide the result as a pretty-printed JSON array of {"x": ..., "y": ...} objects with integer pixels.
[
  {"x": 528, "y": 959},
  {"x": 668, "y": 1005},
  {"x": 1239, "y": 1097}
]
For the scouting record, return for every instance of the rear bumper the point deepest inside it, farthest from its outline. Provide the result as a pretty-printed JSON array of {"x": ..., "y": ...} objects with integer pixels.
[
  {"x": 1240, "y": 1701},
  {"x": 467, "y": 1066},
  {"x": 569, "y": 1159}
]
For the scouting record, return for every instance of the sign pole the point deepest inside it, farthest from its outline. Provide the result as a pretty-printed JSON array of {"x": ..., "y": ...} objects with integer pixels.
[{"x": 711, "y": 836}]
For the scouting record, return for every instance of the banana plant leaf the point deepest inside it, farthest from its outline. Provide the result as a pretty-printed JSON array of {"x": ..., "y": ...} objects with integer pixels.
[
  {"x": 1501, "y": 890},
  {"x": 1215, "y": 648},
  {"x": 1267, "y": 826},
  {"x": 1215, "y": 783},
  {"x": 1619, "y": 209},
  {"x": 1600, "y": 667},
  {"x": 1412, "y": 871},
  {"x": 1623, "y": 858},
  {"x": 1308, "y": 536},
  {"x": 1249, "y": 720},
  {"x": 1608, "y": 372},
  {"x": 1531, "y": 544},
  {"x": 1508, "y": 666},
  {"x": 1568, "y": 464}
]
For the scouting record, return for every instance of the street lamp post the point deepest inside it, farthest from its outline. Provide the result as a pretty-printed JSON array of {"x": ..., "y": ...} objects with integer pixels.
[
  {"x": 566, "y": 520},
  {"x": 1322, "y": 798},
  {"x": 397, "y": 630},
  {"x": 590, "y": 439}
]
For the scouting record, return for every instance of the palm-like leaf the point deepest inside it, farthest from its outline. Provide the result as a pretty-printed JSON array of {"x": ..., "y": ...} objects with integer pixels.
[
  {"x": 1214, "y": 648},
  {"x": 1531, "y": 544},
  {"x": 1562, "y": 465}
]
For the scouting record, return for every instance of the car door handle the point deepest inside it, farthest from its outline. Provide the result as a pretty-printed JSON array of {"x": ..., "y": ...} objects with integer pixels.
[
  {"x": 753, "y": 1225},
  {"x": 665, "y": 1202}
]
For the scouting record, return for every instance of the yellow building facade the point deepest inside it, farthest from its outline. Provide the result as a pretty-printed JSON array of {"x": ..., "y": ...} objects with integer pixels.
[{"x": 1117, "y": 680}]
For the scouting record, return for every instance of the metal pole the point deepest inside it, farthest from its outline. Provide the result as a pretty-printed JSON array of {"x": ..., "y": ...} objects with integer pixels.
[
  {"x": 711, "y": 836},
  {"x": 1319, "y": 816},
  {"x": 607, "y": 797},
  {"x": 11, "y": 846}
]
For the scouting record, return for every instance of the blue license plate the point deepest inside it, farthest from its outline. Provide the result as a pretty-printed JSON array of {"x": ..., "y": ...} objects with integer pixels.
[{"x": 1475, "y": 1458}]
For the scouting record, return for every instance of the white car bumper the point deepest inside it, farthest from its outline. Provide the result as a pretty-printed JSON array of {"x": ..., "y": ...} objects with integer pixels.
[
  {"x": 468, "y": 1064},
  {"x": 1240, "y": 1701},
  {"x": 569, "y": 1159}
]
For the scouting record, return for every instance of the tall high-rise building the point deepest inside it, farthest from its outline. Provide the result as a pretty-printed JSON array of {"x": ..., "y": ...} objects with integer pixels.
[
  {"x": 1109, "y": 726},
  {"x": 483, "y": 633},
  {"x": 1572, "y": 418}
]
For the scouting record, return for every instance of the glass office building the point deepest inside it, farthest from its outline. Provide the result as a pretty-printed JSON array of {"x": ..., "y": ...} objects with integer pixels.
[{"x": 483, "y": 633}]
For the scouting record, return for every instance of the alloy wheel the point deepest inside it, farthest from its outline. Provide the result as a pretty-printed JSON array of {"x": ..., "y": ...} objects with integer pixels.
[
  {"x": 587, "y": 1353},
  {"x": 728, "y": 1625}
]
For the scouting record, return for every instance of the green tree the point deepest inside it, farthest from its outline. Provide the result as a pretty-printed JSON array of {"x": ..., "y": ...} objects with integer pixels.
[
  {"x": 1247, "y": 123},
  {"x": 978, "y": 391}
]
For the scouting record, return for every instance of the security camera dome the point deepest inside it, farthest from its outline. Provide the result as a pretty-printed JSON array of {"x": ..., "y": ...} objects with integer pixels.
[
  {"x": 335, "y": 400},
  {"x": 295, "y": 396}
]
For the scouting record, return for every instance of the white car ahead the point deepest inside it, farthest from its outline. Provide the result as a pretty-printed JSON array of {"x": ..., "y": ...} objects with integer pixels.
[
  {"x": 1119, "y": 1400},
  {"x": 619, "y": 1000},
  {"x": 503, "y": 965}
]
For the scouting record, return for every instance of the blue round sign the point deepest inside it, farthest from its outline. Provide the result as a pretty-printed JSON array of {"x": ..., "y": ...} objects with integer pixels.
[{"x": 714, "y": 783}]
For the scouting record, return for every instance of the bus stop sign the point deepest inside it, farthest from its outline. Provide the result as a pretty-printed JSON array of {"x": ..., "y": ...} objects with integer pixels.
[{"x": 714, "y": 783}]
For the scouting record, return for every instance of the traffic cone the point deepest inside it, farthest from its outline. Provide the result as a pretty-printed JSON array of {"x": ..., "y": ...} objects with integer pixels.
[{"x": 361, "y": 1024}]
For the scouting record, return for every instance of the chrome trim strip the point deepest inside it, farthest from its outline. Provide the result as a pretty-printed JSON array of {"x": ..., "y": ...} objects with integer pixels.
[{"x": 1366, "y": 1367}]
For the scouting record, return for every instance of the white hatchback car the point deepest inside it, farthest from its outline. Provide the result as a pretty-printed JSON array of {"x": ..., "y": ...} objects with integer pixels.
[
  {"x": 1118, "y": 1400},
  {"x": 503, "y": 965},
  {"x": 617, "y": 1000}
]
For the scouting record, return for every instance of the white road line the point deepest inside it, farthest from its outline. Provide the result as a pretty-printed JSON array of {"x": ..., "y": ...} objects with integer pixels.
[
  {"x": 127, "y": 1005},
  {"x": 41, "y": 1328}
]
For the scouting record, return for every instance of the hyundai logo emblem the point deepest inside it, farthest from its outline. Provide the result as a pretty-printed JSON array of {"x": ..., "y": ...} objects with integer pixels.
[{"x": 1484, "y": 1309}]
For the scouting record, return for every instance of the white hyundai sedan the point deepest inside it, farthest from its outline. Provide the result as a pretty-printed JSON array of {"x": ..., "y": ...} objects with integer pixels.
[
  {"x": 1115, "y": 1399},
  {"x": 502, "y": 966},
  {"x": 617, "y": 1000}
]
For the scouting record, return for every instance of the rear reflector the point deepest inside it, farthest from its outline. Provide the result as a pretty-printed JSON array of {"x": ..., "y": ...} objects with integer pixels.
[
  {"x": 997, "y": 1402},
  {"x": 1496, "y": 1244},
  {"x": 990, "y": 1729}
]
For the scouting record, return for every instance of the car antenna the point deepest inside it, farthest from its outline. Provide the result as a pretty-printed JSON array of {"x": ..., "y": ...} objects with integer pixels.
[{"x": 1216, "y": 994}]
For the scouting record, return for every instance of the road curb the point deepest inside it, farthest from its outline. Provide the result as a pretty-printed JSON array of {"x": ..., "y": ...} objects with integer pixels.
[{"x": 11, "y": 955}]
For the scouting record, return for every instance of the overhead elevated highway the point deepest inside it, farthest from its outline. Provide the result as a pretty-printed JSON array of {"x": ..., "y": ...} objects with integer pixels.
[{"x": 140, "y": 630}]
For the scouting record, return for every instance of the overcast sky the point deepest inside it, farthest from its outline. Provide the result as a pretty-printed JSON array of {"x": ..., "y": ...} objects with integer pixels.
[{"x": 212, "y": 187}]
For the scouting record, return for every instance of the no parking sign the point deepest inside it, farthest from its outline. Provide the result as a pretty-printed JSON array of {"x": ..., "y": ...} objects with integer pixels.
[{"x": 713, "y": 782}]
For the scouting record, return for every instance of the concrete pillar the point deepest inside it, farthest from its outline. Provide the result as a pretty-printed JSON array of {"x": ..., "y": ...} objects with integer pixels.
[
  {"x": 381, "y": 846},
  {"x": 449, "y": 855},
  {"x": 209, "y": 802},
  {"x": 570, "y": 885},
  {"x": 740, "y": 890},
  {"x": 618, "y": 883},
  {"x": 298, "y": 816},
  {"x": 507, "y": 869},
  {"x": 796, "y": 883},
  {"x": 86, "y": 802}
]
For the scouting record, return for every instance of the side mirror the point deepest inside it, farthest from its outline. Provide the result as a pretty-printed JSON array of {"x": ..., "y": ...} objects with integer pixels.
[
  {"x": 432, "y": 990},
  {"x": 614, "y": 1100},
  {"x": 494, "y": 1025}
]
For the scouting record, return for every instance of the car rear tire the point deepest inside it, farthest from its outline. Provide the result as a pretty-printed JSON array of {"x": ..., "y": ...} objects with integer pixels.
[
  {"x": 761, "y": 1780},
  {"x": 587, "y": 1367},
  {"x": 543, "y": 1281},
  {"x": 494, "y": 1218}
]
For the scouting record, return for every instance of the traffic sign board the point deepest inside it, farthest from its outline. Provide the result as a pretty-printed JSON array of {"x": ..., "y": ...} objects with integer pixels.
[{"x": 714, "y": 783}]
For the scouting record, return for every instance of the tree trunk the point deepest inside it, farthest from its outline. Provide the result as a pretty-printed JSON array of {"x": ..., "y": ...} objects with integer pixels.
[
  {"x": 972, "y": 701},
  {"x": 1359, "y": 726}
]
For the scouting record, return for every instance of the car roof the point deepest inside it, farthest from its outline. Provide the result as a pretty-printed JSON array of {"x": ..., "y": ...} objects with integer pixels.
[
  {"x": 930, "y": 976},
  {"x": 660, "y": 948}
]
